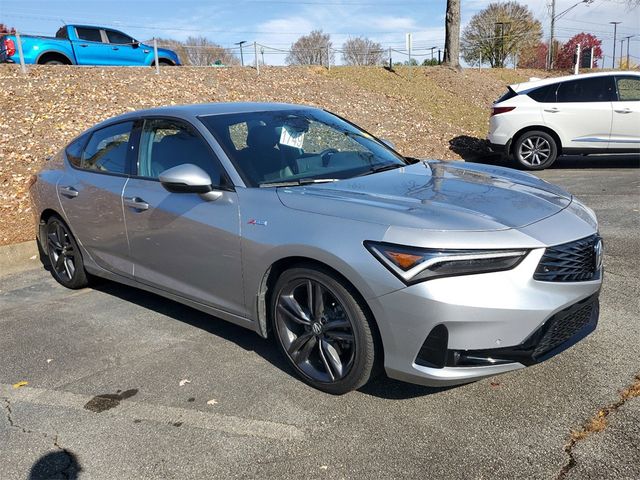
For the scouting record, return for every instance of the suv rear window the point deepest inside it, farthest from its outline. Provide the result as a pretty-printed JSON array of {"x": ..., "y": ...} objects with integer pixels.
[
  {"x": 509, "y": 94},
  {"x": 546, "y": 94}
]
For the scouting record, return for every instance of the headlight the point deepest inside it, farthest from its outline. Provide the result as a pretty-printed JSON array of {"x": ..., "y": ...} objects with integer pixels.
[{"x": 413, "y": 264}]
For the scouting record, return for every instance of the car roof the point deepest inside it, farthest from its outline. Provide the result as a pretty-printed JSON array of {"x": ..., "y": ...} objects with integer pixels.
[
  {"x": 519, "y": 87},
  {"x": 205, "y": 109}
]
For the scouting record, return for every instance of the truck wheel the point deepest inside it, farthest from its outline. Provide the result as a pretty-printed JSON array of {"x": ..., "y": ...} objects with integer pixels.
[
  {"x": 165, "y": 63},
  {"x": 53, "y": 62}
]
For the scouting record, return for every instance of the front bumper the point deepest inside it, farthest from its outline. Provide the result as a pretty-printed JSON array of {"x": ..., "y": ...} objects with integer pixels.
[{"x": 501, "y": 316}]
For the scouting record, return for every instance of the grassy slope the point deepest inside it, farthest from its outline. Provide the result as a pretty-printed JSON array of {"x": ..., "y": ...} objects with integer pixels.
[{"x": 421, "y": 110}]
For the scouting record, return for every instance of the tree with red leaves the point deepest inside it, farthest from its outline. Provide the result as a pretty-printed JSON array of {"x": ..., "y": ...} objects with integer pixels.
[
  {"x": 6, "y": 29},
  {"x": 566, "y": 54}
]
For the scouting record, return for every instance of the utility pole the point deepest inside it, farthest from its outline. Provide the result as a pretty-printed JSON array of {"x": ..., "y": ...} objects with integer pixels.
[
  {"x": 621, "y": 52},
  {"x": 615, "y": 30},
  {"x": 628, "y": 64},
  {"x": 551, "y": 32},
  {"x": 241, "y": 56}
]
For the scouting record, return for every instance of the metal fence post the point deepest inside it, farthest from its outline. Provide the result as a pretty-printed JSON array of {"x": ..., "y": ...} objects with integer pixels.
[
  {"x": 390, "y": 60},
  {"x": 328, "y": 57},
  {"x": 155, "y": 54},
  {"x": 23, "y": 67},
  {"x": 255, "y": 52}
]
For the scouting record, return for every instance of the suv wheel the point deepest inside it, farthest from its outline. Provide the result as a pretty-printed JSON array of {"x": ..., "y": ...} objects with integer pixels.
[
  {"x": 322, "y": 329},
  {"x": 535, "y": 150}
]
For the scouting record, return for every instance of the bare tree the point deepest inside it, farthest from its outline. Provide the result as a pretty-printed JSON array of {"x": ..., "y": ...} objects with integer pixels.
[
  {"x": 452, "y": 34},
  {"x": 312, "y": 49},
  {"x": 499, "y": 31},
  {"x": 200, "y": 51},
  {"x": 362, "y": 51}
]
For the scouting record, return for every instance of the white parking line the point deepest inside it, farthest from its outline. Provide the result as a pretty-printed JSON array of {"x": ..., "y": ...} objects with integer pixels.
[{"x": 155, "y": 413}]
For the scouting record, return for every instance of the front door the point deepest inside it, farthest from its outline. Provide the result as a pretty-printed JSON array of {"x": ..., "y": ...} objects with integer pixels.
[
  {"x": 625, "y": 129},
  {"x": 125, "y": 50},
  {"x": 581, "y": 114},
  {"x": 91, "y": 195},
  {"x": 180, "y": 242},
  {"x": 90, "y": 49}
]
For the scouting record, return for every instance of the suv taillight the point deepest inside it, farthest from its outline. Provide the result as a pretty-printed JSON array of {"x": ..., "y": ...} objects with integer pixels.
[
  {"x": 499, "y": 110},
  {"x": 9, "y": 47}
]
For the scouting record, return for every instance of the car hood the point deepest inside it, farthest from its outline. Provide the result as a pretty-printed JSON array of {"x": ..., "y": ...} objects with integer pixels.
[{"x": 435, "y": 195}]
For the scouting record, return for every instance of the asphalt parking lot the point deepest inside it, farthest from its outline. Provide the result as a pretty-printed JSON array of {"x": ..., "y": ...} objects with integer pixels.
[{"x": 125, "y": 384}]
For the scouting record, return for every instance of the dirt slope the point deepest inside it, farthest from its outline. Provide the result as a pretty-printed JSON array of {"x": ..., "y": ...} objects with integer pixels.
[{"x": 421, "y": 110}]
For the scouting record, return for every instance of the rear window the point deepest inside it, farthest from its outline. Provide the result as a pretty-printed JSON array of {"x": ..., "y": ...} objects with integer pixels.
[
  {"x": 62, "y": 33},
  {"x": 74, "y": 150},
  {"x": 546, "y": 94},
  {"x": 594, "y": 89},
  {"x": 510, "y": 94},
  {"x": 107, "y": 149},
  {"x": 89, "y": 34}
]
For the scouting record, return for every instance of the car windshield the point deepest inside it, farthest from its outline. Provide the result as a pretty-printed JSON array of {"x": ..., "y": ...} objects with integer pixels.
[{"x": 295, "y": 147}]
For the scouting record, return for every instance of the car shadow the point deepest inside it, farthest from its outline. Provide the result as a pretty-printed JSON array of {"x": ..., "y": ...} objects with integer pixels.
[
  {"x": 59, "y": 464},
  {"x": 382, "y": 387},
  {"x": 476, "y": 150}
]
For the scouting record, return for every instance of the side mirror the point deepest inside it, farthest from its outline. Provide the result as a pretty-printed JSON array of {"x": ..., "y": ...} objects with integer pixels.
[
  {"x": 388, "y": 143},
  {"x": 189, "y": 178},
  {"x": 135, "y": 44}
]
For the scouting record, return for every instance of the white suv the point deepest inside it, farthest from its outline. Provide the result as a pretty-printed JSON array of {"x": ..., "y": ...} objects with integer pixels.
[{"x": 536, "y": 121}]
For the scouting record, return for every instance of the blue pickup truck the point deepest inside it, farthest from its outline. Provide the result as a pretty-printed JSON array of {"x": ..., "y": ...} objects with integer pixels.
[{"x": 83, "y": 45}]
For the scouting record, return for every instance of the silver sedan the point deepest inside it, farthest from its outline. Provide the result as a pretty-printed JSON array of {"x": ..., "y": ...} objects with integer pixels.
[{"x": 295, "y": 223}]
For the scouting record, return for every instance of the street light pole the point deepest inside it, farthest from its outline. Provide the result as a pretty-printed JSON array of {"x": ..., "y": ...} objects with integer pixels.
[
  {"x": 555, "y": 17},
  {"x": 241, "y": 56},
  {"x": 615, "y": 30},
  {"x": 628, "y": 42}
]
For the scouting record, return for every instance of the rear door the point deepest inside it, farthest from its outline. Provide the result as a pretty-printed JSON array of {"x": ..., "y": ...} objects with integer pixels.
[
  {"x": 90, "y": 49},
  {"x": 124, "y": 49},
  {"x": 625, "y": 129},
  {"x": 581, "y": 114},
  {"x": 180, "y": 242},
  {"x": 90, "y": 192}
]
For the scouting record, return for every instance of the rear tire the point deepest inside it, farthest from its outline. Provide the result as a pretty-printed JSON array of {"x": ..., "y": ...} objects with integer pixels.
[
  {"x": 67, "y": 266},
  {"x": 54, "y": 62},
  {"x": 323, "y": 330},
  {"x": 535, "y": 150}
]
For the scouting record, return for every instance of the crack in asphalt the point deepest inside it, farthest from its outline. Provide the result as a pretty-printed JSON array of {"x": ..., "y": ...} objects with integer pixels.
[
  {"x": 66, "y": 472},
  {"x": 596, "y": 424}
]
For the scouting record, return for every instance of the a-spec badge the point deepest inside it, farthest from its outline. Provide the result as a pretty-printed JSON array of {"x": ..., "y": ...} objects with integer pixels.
[{"x": 253, "y": 221}]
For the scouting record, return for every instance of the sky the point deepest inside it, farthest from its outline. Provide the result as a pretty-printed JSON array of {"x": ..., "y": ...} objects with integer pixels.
[{"x": 278, "y": 23}]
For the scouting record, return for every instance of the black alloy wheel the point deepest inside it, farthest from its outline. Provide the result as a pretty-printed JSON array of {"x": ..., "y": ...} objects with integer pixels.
[
  {"x": 65, "y": 258},
  {"x": 322, "y": 330}
]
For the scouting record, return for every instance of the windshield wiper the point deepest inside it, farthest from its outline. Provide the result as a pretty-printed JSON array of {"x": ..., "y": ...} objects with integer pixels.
[
  {"x": 381, "y": 168},
  {"x": 300, "y": 181}
]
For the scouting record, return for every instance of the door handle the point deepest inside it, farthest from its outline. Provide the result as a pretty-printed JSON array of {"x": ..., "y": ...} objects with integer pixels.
[
  {"x": 552, "y": 110},
  {"x": 84, "y": 45},
  {"x": 68, "y": 192},
  {"x": 136, "y": 203},
  {"x": 623, "y": 110},
  {"x": 115, "y": 48}
]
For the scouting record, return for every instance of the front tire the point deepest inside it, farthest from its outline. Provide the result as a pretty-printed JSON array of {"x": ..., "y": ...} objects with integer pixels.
[
  {"x": 535, "y": 150},
  {"x": 67, "y": 266},
  {"x": 323, "y": 330}
]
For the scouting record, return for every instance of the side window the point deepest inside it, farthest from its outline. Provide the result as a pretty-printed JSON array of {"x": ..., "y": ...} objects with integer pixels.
[
  {"x": 594, "y": 89},
  {"x": 167, "y": 143},
  {"x": 119, "y": 38},
  {"x": 62, "y": 33},
  {"x": 89, "y": 34},
  {"x": 628, "y": 89},
  {"x": 546, "y": 94},
  {"x": 74, "y": 150},
  {"x": 107, "y": 149}
]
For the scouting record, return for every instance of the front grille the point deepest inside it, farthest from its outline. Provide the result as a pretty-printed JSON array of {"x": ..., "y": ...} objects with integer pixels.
[
  {"x": 564, "y": 325},
  {"x": 569, "y": 262}
]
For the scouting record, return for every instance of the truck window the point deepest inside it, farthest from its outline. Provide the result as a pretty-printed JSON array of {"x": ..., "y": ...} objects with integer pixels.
[
  {"x": 89, "y": 34},
  {"x": 62, "y": 33},
  {"x": 119, "y": 38}
]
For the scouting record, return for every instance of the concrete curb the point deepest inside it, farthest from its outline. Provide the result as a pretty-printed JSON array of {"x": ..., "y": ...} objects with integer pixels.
[{"x": 18, "y": 257}]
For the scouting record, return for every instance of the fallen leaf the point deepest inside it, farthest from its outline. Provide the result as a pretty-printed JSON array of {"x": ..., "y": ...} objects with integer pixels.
[
  {"x": 213, "y": 401},
  {"x": 20, "y": 384},
  {"x": 182, "y": 383},
  {"x": 49, "y": 360}
]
